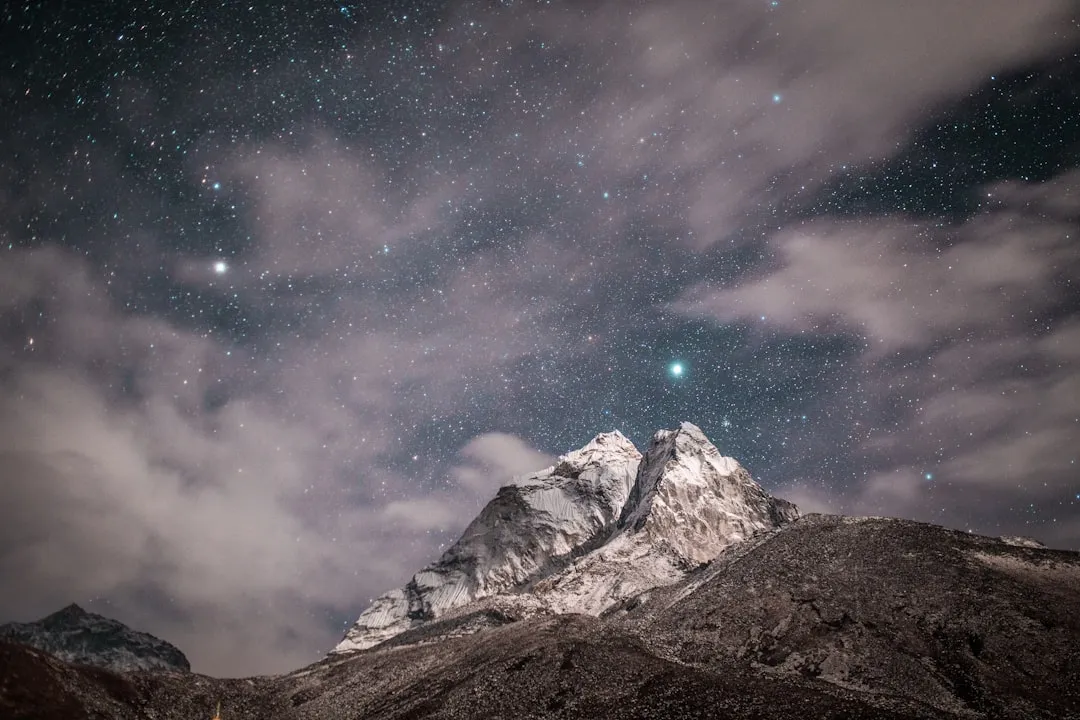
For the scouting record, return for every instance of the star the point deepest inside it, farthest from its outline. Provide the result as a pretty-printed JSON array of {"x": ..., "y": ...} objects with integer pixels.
[
  {"x": 676, "y": 369},
  {"x": 221, "y": 267}
]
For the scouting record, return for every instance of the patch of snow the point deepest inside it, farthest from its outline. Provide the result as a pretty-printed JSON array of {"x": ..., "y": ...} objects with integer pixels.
[{"x": 1019, "y": 541}]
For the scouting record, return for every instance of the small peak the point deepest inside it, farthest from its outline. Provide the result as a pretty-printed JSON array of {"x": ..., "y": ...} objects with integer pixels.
[
  {"x": 607, "y": 444},
  {"x": 614, "y": 440},
  {"x": 692, "y": 429},
  {"x": 69, "y": 616},
  {"x": 71, "y": 611}
]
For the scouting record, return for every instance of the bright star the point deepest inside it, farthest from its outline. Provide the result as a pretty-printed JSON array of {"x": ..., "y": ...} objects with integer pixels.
[
  {"x": 677, "y": 369},
  {"x": 221, "y": 267},
  {"x": 777, "y": 97}
]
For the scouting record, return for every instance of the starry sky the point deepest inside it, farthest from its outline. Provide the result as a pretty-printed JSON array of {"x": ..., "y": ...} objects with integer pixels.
[{"x": 287, "y": 291}]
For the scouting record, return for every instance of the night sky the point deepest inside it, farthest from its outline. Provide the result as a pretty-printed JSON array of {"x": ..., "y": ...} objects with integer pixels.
[{"x": 287, "y": 292}]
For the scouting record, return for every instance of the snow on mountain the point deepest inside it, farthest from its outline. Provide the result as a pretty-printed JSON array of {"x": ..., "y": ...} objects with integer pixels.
[
  {"x": 602, "y": 525},
  {"x": 532, "y": 526},
  {"x": 76, "y": 636}
]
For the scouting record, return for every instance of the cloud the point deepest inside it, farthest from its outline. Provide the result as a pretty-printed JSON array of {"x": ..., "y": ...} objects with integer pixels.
[
  {"x": 903, "y": 284},
  {"x": 491, "y": 460},
  {"x": 712, "y": 115},
  {"x": 329, "y": 209},
  {"x": 245, "y": 515}
]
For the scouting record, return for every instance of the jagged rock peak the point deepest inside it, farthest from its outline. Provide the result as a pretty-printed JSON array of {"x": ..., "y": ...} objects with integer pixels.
[
  {"x": 606, "y": 450},
  {"x": 602, "y": 524},
  {"x": 695, "y": 501},
  {"x": 602, "y": 444}
]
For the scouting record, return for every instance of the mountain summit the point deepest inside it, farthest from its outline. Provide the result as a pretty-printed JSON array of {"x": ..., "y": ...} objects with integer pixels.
[
  {"x": 77, "y": 636},
  {"x": 601, "y": 525}
]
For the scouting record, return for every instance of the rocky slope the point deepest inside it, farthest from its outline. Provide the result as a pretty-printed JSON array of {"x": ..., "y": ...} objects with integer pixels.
[
  {"x": 74, "y": 635},
  {"x": 974, "y": 626}
]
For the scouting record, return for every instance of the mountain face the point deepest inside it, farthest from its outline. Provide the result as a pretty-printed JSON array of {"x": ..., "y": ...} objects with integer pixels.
[
  {"x": 74, "y": 635},
  {"x": 533, "y": 525},
  {"x": 603, "y": 524},
  {"x": 688, "y": 503}
]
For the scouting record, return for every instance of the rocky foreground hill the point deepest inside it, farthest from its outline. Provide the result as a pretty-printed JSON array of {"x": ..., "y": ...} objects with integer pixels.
[{"x": 540, "y": 612}]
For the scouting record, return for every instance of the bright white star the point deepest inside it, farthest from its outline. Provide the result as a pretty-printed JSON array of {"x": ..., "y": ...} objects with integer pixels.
[
  {"x": 221, "y": 267},
  {"x": 677, "y": 369}
]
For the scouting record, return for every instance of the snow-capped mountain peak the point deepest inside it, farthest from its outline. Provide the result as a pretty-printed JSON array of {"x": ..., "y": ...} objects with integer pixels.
[
  {"x": 696, "y": 501},
  {"x": 603, "y": 524}
]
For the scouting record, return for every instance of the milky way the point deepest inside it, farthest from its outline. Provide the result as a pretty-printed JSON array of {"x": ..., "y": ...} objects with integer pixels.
[{"x": 286, "y": 293}]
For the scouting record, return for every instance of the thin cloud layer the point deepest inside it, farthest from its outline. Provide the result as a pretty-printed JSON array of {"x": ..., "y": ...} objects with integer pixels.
[{"x": 905, "y": 283}]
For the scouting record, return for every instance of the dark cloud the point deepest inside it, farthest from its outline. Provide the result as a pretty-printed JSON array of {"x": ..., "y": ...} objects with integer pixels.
[{"x": 285, "y": 295}]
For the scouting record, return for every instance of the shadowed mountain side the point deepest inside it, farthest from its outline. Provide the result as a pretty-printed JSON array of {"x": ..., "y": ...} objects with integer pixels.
[{"x": 967, "y": 623}]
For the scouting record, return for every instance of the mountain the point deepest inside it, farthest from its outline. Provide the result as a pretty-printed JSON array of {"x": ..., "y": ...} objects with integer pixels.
[
  {"x": 670, "y": 585},
  {"x": 601, "y": 525},
  {"x": 74, "y": 635},
  {"x": 688, "y": 503},
  {"x": 826, "y": 617}
]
